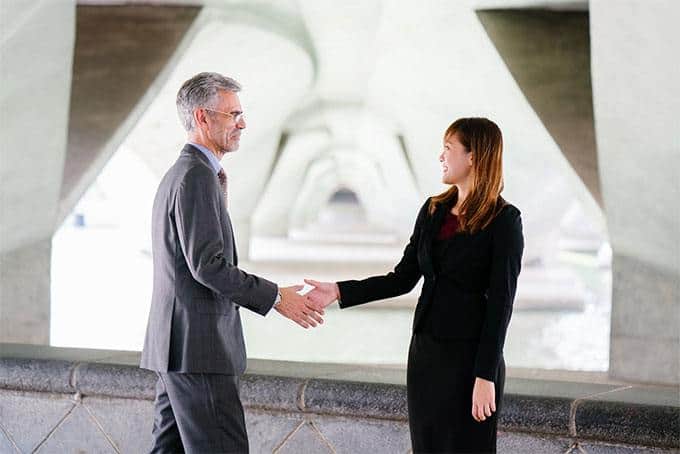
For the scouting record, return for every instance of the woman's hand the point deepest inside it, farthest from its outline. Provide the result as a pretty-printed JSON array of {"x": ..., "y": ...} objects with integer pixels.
[
  {"x": 323, "y": 293},
  {"x": 483, "y": 399}
]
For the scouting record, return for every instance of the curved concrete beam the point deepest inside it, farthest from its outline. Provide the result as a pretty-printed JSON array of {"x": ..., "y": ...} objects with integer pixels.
[
  {"x": 548, "y": 54},
  {"x": 272, "y": 212},
  {"x": 36, "y": 82},
  {"x": 122, "y": 56}
]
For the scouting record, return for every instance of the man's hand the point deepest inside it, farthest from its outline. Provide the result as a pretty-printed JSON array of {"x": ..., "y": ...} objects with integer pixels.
[
  {"x": 483, "y": 399},
  {"x": 298, "y": 308},
  {"x": 323, "y": 293}
]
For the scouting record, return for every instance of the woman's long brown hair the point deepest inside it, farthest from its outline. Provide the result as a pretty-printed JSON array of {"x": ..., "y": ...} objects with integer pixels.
[{"x": 483, "y": 138}]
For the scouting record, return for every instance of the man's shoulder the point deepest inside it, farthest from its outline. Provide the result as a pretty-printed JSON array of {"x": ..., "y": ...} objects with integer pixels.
[
  {"x": 189, "y": 165},
  {"x": 195, "y": 168},
  {"x": 186, "y": 169}
]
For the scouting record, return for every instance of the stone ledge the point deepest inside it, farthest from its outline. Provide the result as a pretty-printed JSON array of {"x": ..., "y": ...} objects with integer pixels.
[
  {"x": 616, "y": 413},
  {"x": 272, "y": 392},
  {"x": 531, "y": 413},
  {"x": 372, "y": 400},
  {"x": 36, "y": 375},
  {"x": 631, "y": 423}
]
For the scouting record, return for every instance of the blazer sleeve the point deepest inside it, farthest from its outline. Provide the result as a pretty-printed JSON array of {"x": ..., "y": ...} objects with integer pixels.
[
  {"x": 401, "y": 280},
  {"x": 507, "y": 248},
  {"x": 197, "y": 216}
]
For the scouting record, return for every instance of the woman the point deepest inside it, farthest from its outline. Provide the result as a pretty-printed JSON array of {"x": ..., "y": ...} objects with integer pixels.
[{"x": 467, "y": 243}]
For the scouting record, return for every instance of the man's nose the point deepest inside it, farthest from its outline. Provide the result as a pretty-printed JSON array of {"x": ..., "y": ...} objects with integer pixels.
[{"x": 241, "y": 123}]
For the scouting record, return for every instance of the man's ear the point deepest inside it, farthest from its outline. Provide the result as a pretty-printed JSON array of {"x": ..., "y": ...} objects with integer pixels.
[{"x": 199, "y": 117}]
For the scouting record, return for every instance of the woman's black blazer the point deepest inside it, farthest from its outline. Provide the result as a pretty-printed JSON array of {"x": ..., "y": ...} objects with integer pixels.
[{"x": 468, "y": 295}]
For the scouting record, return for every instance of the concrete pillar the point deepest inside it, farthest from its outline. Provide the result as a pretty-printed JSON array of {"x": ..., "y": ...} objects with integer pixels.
[
  {"x": 70, "y": 95},
  {"x": 636, "y": 96},
  {"x": 36, "y": 50},
  {"x": 25, "y": 286}
]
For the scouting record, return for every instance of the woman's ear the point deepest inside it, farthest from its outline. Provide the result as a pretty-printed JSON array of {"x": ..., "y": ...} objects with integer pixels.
[{"x": 470, "y": 158}]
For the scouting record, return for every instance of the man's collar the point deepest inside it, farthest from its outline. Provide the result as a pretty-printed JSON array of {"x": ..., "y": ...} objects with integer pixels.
[{"x": 214, "y": 162}]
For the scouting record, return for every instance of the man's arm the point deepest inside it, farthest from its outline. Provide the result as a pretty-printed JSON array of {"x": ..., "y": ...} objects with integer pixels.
[{"x": 197, "y": 216}]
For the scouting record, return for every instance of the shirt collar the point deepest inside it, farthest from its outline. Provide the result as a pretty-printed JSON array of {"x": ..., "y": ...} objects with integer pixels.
[{"x": 214, "y": 162}]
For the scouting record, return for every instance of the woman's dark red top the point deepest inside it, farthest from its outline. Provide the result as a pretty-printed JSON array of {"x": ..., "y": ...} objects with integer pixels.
[{"x": 449, "y": 227}]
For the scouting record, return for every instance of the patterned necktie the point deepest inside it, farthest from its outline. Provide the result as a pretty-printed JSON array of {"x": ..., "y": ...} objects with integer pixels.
[{"x": 223, "y": 183}]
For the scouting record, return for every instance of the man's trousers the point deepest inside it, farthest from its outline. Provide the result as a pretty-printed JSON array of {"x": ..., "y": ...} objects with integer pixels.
[{"x": 198, "y": 413}]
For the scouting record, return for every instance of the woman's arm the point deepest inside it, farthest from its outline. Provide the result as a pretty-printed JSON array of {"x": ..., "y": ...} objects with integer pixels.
[
  {"x": 507, "y": 248},
  {"x": 508, "y": 245},
  {"x": 397, "y": 282}
]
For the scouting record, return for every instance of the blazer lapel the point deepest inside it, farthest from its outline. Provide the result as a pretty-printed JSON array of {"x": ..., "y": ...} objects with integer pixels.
[{"x": 430, "y": 232}]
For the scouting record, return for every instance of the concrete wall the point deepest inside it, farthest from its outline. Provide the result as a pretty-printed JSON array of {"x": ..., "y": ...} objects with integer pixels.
[
  {"x": 67, "y": 400},
  {"x": 636, "y": 96}
]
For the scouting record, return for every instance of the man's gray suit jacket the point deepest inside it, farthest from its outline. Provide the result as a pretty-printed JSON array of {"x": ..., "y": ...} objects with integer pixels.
[{"x": 194, "y": 323}]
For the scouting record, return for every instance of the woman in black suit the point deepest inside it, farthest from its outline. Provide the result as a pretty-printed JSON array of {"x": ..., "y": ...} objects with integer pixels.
[{"x": 467, "y": 243}]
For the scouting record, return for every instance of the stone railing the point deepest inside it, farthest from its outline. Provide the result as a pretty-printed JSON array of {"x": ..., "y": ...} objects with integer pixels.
[{"x": 56, "y": 400}]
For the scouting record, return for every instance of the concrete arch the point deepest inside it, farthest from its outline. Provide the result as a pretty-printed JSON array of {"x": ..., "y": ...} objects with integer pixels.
[
  {"x": 343, "y": 133},
  {"x": 330, "y": 172}
]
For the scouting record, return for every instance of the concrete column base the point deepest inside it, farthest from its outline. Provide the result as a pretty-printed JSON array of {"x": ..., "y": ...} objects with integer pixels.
[
  {"x": 645, "y": 343},
  {"x": 25, "y": 294}
]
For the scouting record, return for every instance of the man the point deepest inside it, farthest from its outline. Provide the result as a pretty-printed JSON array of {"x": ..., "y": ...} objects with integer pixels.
[{"x": 194, "y": 339}]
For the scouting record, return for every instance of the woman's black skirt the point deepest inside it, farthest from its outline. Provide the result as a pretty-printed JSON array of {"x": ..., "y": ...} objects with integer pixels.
[{"x": 439, "y": 383}]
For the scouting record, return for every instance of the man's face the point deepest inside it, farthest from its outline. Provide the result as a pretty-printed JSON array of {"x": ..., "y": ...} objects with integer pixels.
[{"x": 225, "y": 122}]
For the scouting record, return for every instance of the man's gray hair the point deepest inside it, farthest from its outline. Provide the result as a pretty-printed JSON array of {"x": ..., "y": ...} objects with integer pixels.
[{"x": 201, "y": 91}]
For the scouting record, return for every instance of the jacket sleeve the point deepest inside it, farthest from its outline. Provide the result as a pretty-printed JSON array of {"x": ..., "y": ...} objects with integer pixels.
[
  {"x": 401, "y": 280},
  {"x": 507, "y": 248},
  {"x": 197, "y": 216}
]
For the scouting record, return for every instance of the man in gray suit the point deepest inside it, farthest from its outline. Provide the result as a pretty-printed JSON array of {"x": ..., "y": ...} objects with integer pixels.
[{"x": 194, "y": 339}]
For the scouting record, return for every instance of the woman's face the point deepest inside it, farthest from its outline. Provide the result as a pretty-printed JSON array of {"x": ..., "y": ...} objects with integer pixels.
[{"x": 456, "y": 161}]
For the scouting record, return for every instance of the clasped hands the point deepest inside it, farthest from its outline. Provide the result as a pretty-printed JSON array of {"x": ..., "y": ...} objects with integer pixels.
[{"x": 307, "y": 310}]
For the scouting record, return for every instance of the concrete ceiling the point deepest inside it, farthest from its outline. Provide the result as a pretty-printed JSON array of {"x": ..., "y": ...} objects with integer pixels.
[{"x": 358, "y": 98}]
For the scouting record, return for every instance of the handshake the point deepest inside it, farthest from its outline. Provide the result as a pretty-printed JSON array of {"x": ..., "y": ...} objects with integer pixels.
[{"x": 306, "y": 310}]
